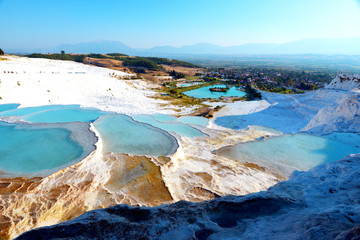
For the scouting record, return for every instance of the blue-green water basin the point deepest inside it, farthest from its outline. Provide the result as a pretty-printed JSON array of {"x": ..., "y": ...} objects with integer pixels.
[
  {"x": 176, "y": 127},
  {"x": 291, "y": 151},
  {"x": 55, "y": 114},
  {"x": 27, "y": 149},
  {"x": 121, "y": 134},
  {"x": 75, "y": 114},
  {"x": 164, "y": 117},
  {"x": 201, "y": 121},
  {"x": 30, "y": 110},
  {"x": 186, "y": 85},
  {"x": 190, "y": 84},
  {"x": 7, "y": 107},
  {"x": 204, "y": 92},
  {"x": 42, "y": 145}
]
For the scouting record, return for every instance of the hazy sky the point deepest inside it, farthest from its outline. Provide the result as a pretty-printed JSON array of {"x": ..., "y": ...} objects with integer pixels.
[{"x": 148, "y": 23}]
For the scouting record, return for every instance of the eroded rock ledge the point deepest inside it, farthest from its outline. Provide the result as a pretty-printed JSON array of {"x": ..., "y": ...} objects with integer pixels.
[
  {"x": 28, "y": 203},
  {"x": 322, "y": 203}
]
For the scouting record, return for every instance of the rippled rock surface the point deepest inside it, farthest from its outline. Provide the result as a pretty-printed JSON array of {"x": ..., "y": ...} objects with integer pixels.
[
  {"x": 322, "y": 203},
  {"x": 26, "y": 203}
]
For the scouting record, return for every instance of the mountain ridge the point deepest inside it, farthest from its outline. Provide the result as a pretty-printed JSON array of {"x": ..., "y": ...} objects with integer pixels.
[{"x": 347, "y": 46}]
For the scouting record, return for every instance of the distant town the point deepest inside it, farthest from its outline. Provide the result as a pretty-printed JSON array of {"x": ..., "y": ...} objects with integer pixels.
[{"x": 274, "y": 80}]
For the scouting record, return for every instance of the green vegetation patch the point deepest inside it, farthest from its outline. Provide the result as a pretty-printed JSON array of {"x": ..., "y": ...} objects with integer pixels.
[
  {"x": 117, "y": 54},
  {"x": 141, "y": 62},
  {"x": 252, "y": 93},
  {"x": 171, "y": 62},
  {"x": 59, "y": 56},
  {"x": 151, "y": 63}
]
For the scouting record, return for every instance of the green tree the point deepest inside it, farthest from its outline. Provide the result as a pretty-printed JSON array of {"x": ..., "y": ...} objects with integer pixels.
[
  {"x": 141, "y": 62},
  {"x": 176, "y": 75},
  {"x": 1, "y": 52},
  {"x": 62, "y": 52}
]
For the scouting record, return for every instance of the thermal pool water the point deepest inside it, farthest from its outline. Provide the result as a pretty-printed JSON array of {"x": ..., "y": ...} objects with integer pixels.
[
  {"x": 204, "y": 92},
  {"x": 121, "y": 134},
  {"x": 170, "y": 126},
  {"x": 41, "y": 144},
  {"x": 27, "y": 148},
  {"x": 291, "y": 152}
]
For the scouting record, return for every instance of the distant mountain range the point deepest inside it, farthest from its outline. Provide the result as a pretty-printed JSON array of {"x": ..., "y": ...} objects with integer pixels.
[{"x": 346, "y": 46}]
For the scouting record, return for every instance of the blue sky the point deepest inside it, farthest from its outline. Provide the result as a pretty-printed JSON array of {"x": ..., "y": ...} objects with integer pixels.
[{"x": 148, "y": 23}]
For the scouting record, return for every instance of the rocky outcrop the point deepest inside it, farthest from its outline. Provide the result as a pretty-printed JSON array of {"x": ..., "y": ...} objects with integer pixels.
[
  {"x": 343, "y": 116},
  {"x": 322, "y": 203},
  {"x": 345, "y": 82}
]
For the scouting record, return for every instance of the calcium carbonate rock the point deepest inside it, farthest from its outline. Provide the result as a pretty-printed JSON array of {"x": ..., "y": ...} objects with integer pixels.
[
  {"x": 343, "y": 116},
  {"x": 323, "y": 203},
  {"x": 345, "y": 82}
]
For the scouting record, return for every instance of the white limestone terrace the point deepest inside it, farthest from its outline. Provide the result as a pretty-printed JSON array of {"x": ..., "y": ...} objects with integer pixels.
[
  {"x": 322, "y": 203},
  {"x": 40, "y": 81},
  {"x": 334, "y": 108},
  {"x": 35, "y": 82},
  {"x": 342, "y": 116}
]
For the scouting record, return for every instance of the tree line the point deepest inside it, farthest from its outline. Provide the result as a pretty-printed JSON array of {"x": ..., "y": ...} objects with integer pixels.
[
  {"x": 59, "y": 56},
  {"x": 151, "y": 63}
]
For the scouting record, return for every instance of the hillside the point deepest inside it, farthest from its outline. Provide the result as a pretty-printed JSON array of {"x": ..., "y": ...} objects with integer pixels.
[
  {"x": 149, "y": 66},
  {"x": 146, "y": 62}
]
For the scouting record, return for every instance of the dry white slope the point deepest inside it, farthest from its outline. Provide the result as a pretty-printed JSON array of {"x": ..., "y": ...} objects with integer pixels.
[
  {"x": 334, "y": 108},
  {"x": 344, "y": 114},
  {"x": 342, "y": 117},
  {"x": 34, "y": 82}
]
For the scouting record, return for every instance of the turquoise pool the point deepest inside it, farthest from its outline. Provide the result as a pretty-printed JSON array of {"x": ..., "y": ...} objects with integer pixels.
[
  {"x": 75, "y": 114},
  {"x": 291, "y": 152},
  {"x": 186, "y": 85},
  {"x": 55, "y": 114},
  {"x": 121, "y": 134},
  {"x": 177, "y": 127},
  {"x": 7, "y": 107},
  {"x": 204, "y": 92},
  {"x": 34, "y": 147},
  {"x": 201, "y": 121},
  {"x": 164, "y": 117},
  {"x": 190, "y": 84},
  {"x": 347, "y": 138},
  {"x": 30, "y": 110},
  {"x": 28, "y": 149}
]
